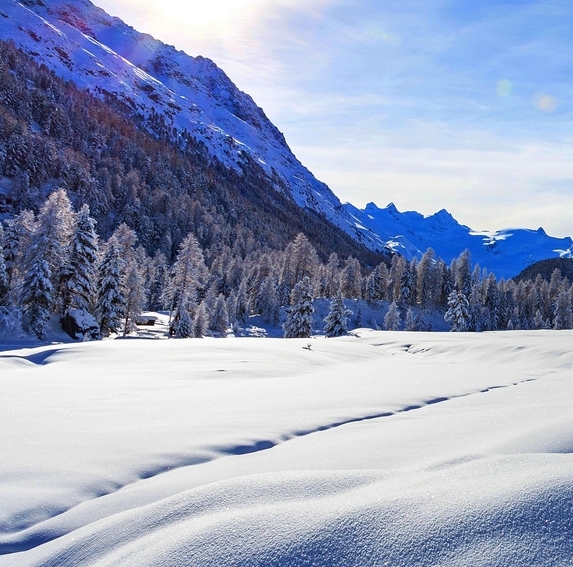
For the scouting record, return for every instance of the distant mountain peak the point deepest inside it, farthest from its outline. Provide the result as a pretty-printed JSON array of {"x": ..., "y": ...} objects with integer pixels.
[{"x": 503, "y": 252}]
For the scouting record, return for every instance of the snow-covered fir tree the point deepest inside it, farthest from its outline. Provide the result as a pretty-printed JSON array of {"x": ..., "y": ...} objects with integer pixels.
[
  {"x": 181, "y": 324},
  {"x": 336, "y": 322},
  {"x": 410, "y": 322},
  {"x": 300, "y": 313},
  {"x": 80, "y": 272},
  {"x": 53, "y": 234},
  {"x": 563, "y": 318},
  {"x": 267, "y": 303},
  {"x": 458, "y": 313},
  {"x": 4, "y": 287},
  {"x": 187, "y": 275},
  {"x": 111, "y": 300},
  {"x": 37, "y": 296}
]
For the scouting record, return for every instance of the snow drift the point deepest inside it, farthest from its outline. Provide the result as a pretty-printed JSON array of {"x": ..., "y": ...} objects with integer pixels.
[{"x": 378, "y": 448}]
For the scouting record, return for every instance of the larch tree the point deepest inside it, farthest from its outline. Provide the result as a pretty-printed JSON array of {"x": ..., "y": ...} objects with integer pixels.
[
  {"x": 392, "y": 318},
  {"x": 53, "y": 234},
  {"x": 220, "y": 317},
  {"x": 187, "y": 275},
  {"x": 134, "y": 298}
]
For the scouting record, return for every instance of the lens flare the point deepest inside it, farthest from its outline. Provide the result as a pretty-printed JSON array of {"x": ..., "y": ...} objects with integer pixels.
[
  {"x": 545, "y": 102},
  {"x": 504, "y": 88}
]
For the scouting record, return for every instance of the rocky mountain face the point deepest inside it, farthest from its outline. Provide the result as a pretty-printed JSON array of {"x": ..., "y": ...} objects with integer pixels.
[
  {"x": 157, "y": 84},
  {"x": 82, "y": 43}
]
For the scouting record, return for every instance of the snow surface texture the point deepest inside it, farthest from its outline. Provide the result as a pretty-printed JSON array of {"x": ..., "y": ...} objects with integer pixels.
[
  {"x": 505, "y": 252},
  {"x": 381, "y": 448}
]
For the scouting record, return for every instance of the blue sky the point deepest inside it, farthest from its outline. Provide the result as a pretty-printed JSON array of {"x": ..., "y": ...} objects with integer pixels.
[{"x": 430, "y": 104}]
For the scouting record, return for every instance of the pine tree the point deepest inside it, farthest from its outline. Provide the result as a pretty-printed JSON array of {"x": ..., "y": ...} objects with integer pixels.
[
  {"x": 299, "y": 316},
  {"x": 458, "y": 313},
  {"x": 181, "y": 324},
  {"x": 539, "y": 322},
  {"x": 200, "y": 321},
  {"x": 267, "y": 303},
  {"x": 79, "y": 288},
  {"x": 37, "y": 296},
  {"x": 410, "y": 323},
  {"x": 187, "y": 275},
  {"x": 336, "y": 322},
  {"x": 134, "y": 298},
  {"x": 220, "y": 317},
  {"x": 53, "y": 234},
  {"x": 392, "y": 318},
  {"x": 111, "y": 301},
  {"x": 563, "y": 313},
  {"x": 351, "y": 279},
  {"x": 4, "y": 287}
]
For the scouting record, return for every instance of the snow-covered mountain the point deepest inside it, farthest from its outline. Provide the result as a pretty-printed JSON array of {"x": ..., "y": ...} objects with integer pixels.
[
  {"x": 82, "y": 43},
  {"x": 503, "y": 252}
]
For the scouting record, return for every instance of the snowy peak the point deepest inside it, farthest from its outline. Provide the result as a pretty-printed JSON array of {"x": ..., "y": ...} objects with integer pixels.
[
  {"x": 504, "y": 252},
  {"x": 82, "y": 43}
]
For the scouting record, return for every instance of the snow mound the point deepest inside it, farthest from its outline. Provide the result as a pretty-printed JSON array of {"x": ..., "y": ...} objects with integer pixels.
[{"x": 471, "y": 513}]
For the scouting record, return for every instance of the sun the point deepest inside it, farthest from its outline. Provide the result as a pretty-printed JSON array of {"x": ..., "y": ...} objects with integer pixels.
[{"x": 214, "y": 19}]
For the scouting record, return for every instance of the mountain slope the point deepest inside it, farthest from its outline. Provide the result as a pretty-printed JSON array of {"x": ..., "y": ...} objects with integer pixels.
[
  {"x": 80, "y": 42},
  {"x": 503, "y": 252}
]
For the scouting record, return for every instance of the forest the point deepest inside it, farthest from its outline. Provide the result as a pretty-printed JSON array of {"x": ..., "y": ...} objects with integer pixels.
[{"x": 110, "y": 214}]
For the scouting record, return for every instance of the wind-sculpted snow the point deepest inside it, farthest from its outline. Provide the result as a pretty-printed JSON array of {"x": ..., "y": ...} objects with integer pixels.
[{"x": 397, "y": 448}]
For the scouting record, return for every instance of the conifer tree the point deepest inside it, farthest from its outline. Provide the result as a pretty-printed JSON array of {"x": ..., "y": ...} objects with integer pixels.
[
  {"x": 181, "y": 324},
  {"x": 111, "y": 301},
  {"x": 4, "y": 287},
  {"x": 458, "y": 313},
  {"x": 392, "y": 318},
  {"x": 267, "y": 303},
  {"x": 187, "y": 275},
  {"x": 200, "y": 321},
  {"x": 300, "y": 313},
  {"x": 336, "y": 322},
  {"x": 563, "y": 318},
  {"x": 53, "y": 233},
  {"x": 134, "y": 298},
  {"x": 37, "y": 296},
  {"x": 79, "y": 288},
  {"x": 410, "y": 322},
  {"x": 351, "y": 279},
  {"x": 220, "y": 317}
]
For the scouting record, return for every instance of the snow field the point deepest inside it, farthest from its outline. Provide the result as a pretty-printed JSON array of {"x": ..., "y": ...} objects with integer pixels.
[{"x": 379, "y": 448}]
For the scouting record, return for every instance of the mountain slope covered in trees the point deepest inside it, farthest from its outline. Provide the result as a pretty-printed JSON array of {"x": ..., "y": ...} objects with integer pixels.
[{"x": 169, "y": 93}]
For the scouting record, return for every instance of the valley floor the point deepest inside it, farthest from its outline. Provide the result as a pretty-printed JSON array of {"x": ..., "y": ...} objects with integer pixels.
[{"x": 379, "y": 448}]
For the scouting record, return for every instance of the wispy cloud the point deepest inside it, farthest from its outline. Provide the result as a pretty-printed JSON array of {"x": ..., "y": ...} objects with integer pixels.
[{"x": 429, "y": 103}]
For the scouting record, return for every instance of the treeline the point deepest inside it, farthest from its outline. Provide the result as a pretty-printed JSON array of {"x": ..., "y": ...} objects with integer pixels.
[
  {"x": 55, "y": 263},
  {"x": 141, "y": 172}
]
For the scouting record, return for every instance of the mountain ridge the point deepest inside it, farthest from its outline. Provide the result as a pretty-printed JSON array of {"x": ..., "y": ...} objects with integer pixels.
[
  {"x": 192, "y": 95},
  {"x": 82, "y": 43},
  {"x": 505, "y": 252}
]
